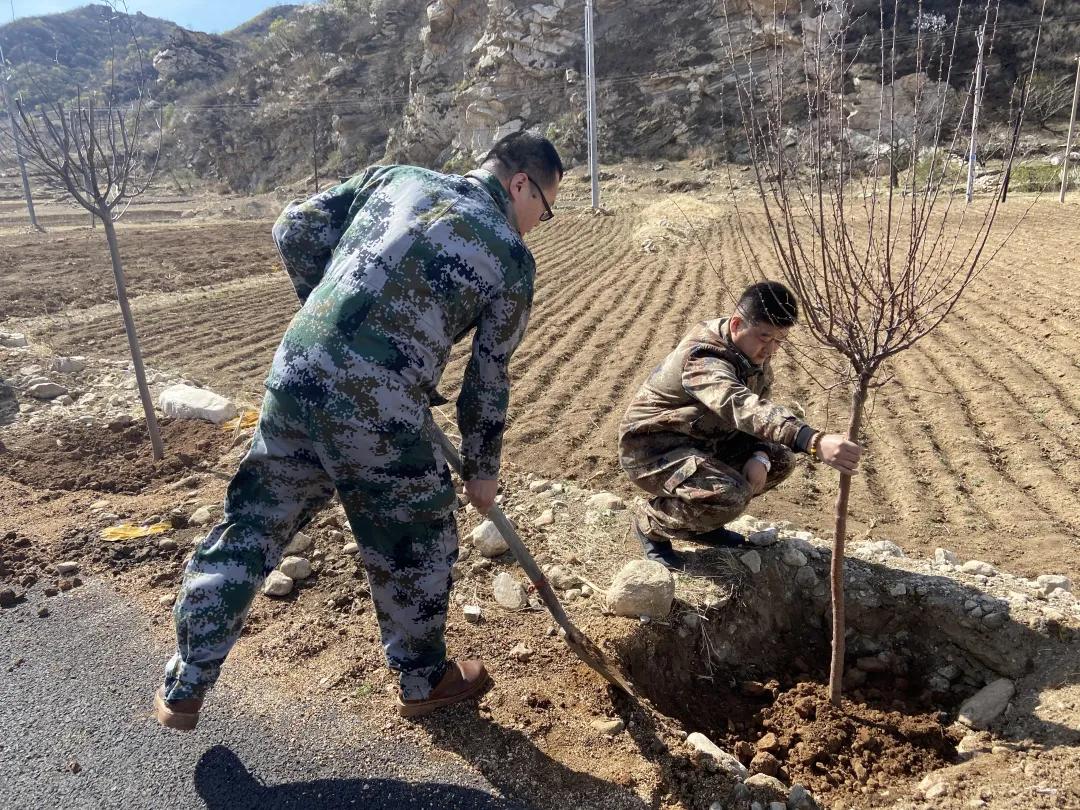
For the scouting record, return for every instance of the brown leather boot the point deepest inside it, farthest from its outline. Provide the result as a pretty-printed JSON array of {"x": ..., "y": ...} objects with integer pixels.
[
  {"x": 179, "y": 714},
  {"x": 463, "y": 680}
]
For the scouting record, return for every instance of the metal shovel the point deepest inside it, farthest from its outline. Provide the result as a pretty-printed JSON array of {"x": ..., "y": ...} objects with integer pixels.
[{"x": 577, "y": 641}]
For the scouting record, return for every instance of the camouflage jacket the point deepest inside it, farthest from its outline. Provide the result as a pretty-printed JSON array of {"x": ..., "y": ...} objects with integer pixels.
[
  {"x": 704, "y": 395},
  {"x": 392, "y": 267}
]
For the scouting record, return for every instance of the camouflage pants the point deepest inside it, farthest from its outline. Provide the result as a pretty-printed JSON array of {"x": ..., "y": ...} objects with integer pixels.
[
  {"x": 399, "y": 498},
  {"x": 694, "y": 491}
]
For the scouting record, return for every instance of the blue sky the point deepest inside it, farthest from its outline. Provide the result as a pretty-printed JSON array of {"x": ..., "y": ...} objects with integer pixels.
[{"x": 213, "y": 16}]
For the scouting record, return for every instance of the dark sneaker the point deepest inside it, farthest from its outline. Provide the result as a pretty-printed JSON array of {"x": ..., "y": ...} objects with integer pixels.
[
  {"x": 659, "y": 551},
  {"x": 462, "y": 681},
  {"x": 179, "y": 714},
  {"x": 724, "y": 538}
]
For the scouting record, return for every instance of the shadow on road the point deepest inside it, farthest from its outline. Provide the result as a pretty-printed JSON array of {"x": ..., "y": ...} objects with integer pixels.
[{"x": 224, "y": 783}]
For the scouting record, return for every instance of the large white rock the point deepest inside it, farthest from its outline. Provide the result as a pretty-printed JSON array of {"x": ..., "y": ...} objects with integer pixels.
[
  {"x": 299, "y": 544},
  {"x": 509, "y": 593},
  {"x": 979, "y": 567},
  {"x": 188, "y": 402},
  {"x": 642, "y": 588},
  {"x": 277, "y": 584},
  {"x": 706, "y": 747},
  {"x": 1048, "y": 583},
  {"x": 488, "y": 541},
  {"x": 295, "y": 568},
  {"x": 986, "y": 705}
]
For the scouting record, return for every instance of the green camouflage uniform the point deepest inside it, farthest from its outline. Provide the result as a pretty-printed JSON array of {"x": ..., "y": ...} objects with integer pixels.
[
  {"x": 392, "y": 268},
  {"x": 692, "y": 426}
]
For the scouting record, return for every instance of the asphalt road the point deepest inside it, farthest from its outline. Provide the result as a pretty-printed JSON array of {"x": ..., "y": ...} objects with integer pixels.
[{"x": 75, "y": 687}]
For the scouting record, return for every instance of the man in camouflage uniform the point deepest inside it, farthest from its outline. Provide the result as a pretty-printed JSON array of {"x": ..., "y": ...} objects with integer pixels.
[
  {"x": 703, "y": 438},
  {"x": 392, "y": 267}
]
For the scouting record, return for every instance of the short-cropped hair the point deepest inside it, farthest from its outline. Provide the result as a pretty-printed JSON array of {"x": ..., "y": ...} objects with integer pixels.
[
  {"x": 768, "y": 302},
  {"x": 525, "y": 152}
]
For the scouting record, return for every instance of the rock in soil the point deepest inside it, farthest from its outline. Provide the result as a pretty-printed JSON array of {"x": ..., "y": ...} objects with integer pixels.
[
  {"x": 472, "y": 613},
  {"x": 188, "y": 402},
  {"x": 509, "y": 593},
  {"x": 8, "y": 597},
  {"x": 295, "y": 568},
  {"x": 277, "y": 584},
  {"x": 986, "y": 705},
  {"x": 642, "y": 588},
  {"x": 605, "y": 500},
  {"x": 705, "y": 747},
  {"x": 609, "y": 727},
  {"x": 488, "y": 541}
]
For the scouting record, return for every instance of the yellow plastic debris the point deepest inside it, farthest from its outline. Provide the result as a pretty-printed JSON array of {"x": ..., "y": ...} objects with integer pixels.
[
  {"x": 247, "y": 419},
  {"x": 129, "y": 531}
]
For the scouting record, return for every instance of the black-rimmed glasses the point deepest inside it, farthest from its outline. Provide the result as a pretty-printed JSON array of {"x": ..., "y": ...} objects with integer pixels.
[{"x": 548, "y": 213}]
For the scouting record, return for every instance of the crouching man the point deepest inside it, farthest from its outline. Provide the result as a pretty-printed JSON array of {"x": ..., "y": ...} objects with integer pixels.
[{"x": 703, "y": 438}]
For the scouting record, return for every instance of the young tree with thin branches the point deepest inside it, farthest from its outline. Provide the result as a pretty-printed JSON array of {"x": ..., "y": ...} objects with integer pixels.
[
  {"x": 878, "y": 257},
  {"x": 102, "y": 155}
]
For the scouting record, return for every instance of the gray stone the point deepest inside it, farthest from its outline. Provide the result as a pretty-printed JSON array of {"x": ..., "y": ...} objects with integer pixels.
[
  {"x": 793, "y": 557},
  {"x": 510, "y": 593},
  {"x": 707, "y": 748},
  {"x": 519, "y": 652},
  {"x": 65, "y": 569},
  {"x": 166, "y": 544},
  {"x": 295, "y": 568},
  {"x": 766, "y": 789},
  {"x": 608, "y": 727},
  {"x": 986, "y": 705},
  {"x": 12, "y": 340},
  {"x": 978, "y": 567},
  {"x": 605, "y": 500},
  {"x": 301, "y": 543},
  {"x": 46, "y": 390},
  {"x": 201, "y": 516},
  {"x": 751, "y": 560},
  {"x": 472, "y": 613},
  {"x": 8, "y": 597},
  {"x": 898, "y": 589},
  {"x": 277, "y": 584},
  {"x": 488, "y": 541},
  {"x": 167, "y": 600},
  {"x": 539, "y": 486},
  {"x": 642, "y": 588},
  {"x": 68, "y": 365},
  {"x": 1049, "y": 583},
  {"x": 763, "y": 537},
  {"x": 562, "y": 579},
  {"x": 572, "y": 594},
  {"x": 799, "y": 798},
  {"x": 806, "y": 578},
  {"x": 994, "y": 620},
  {"x": 350, "y": 549}
]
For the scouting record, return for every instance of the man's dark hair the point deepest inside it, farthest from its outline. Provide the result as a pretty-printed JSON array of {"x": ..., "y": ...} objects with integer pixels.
[
  {"x": 524, "y": 152},
  {"x": 769, "y": 302}
]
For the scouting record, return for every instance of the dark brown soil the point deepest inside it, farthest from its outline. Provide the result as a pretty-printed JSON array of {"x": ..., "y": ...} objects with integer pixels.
[
  {"x": 828, "y": 748},
  {"x": 76, "y": 457}
]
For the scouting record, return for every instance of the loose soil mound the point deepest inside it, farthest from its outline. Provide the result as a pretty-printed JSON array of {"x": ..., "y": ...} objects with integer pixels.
[
  {"x": 825, "y": 747},
  {"x": 79, "y": 457}
]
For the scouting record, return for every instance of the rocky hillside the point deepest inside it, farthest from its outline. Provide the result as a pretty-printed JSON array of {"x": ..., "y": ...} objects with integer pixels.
[{"x": 334, "y": 86}]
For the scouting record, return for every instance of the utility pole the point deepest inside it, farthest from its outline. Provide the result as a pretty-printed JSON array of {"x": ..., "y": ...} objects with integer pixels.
[
  {"x": 976, "y": 104},
  {"x": 18, "y": 146},
  {"x": 590, "y": 102},
  {"x": 1069, "y": 137},
  {"x": 314, "y": 146}
]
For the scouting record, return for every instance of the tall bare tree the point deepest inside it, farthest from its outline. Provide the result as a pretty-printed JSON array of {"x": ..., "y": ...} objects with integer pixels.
[
  {"x": 102, "y": 154},
  {"x": 859, "y": 182}
]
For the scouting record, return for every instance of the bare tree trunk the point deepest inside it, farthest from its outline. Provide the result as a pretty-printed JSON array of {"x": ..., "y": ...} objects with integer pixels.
[
  {"x": 27, "y": 195},
  {"x": 836, "y": 669},
  {"x": 133, "y": 340}
]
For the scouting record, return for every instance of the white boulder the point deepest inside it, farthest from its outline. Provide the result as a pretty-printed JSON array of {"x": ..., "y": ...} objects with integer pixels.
[
  {"x": 69, "y": 365},
  {"x": 509, "y": 593},
  {"x": 299, "y": 544},
  {"x": 188, "y": 402},
  {"x": 1049, "y": 583},
  {"x": 642, "y": 588},
  {"x": 605, "y": 500},
  {"x": 488, "y": 541},
  {"x": 295, "y": 568},
  {"x": 979, "y": 567},
  {"x": 12, "y": 340},
  {"x": 277, "y": 584},
  {"x": 707, "y": 748},
  {"x": 46, "y": 390}
]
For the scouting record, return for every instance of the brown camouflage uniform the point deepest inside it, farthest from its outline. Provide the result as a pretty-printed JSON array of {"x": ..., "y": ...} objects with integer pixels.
[{"x": 693, "y": 425}]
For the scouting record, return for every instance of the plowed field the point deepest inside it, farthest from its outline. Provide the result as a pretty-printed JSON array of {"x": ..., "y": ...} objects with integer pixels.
[{"x": 972, "y": 444}]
